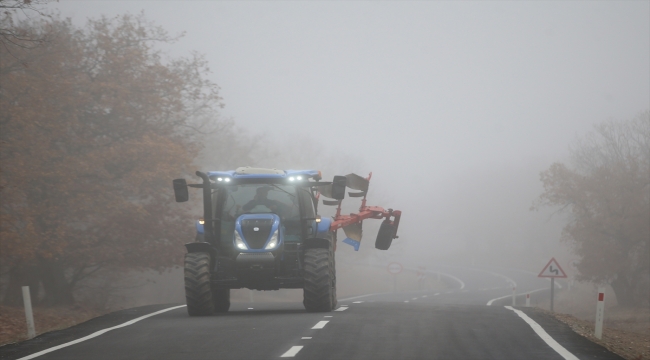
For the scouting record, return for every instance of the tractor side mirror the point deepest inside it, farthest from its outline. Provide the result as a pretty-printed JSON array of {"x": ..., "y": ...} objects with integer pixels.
[
  {"x": 385, "y": 235},
  {"x": 180, "y": 190},
  {"x": 338, "y": 187}
]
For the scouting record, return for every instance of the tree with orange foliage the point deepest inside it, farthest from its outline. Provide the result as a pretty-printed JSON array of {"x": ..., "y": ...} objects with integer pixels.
[
  {"x": 94, "y": 123},
  {"x": 607, "y": 192}
]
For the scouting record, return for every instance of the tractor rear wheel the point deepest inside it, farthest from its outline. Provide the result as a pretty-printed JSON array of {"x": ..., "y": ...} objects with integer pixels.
[
  {"x": 319, "y": 280},
  {"x": 198, "y": 292},
  {"x": 221, "y": 300}
]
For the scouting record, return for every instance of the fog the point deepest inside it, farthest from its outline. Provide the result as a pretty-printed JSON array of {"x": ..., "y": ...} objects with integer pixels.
[{"x": 455, "y": 107}]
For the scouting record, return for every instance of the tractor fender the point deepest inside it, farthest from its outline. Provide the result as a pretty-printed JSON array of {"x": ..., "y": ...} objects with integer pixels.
[
  {"x": 204, "y": 247},
  {"x": 322, "y": 241}
]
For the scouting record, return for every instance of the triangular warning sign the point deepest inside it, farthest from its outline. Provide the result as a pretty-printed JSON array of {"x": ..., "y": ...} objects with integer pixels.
[{"x": 552, "y": 270}]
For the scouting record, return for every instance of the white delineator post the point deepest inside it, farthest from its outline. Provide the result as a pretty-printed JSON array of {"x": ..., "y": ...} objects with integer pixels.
[
  {"x": 528, "y": 300},
  {"x": 29, "y": 315},
  {"x": 600, "y": 312}
]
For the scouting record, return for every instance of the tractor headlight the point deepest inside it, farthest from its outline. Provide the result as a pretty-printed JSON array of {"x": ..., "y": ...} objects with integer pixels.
[
  {"x": 239, "y": 242},
  {"x": 273, "y": 242}
]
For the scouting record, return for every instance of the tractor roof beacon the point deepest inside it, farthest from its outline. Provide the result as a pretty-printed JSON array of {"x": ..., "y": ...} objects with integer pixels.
[{"x": 261, "y": 230}]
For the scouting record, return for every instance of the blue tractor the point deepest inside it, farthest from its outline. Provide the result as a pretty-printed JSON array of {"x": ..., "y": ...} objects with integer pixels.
[{"x": 261, "y": 230}]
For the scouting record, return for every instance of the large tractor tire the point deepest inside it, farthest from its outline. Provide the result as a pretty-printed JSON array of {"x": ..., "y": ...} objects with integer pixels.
[
  {"x": 333, "y": 268},
  {"x": 334, "y": 299},
  {"x": 198, "y": 292},
  {"x": 221, "y": 300},
  {"x": 319, "y": 279}
]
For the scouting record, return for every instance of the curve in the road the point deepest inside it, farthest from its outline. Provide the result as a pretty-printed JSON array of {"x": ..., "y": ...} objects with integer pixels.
[{"x": 97, "y": 333}]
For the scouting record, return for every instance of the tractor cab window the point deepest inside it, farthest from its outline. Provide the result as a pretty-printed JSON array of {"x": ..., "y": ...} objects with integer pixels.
[
  {"x": 307, "y": 204},
  {"x": 257, "y": 199}
]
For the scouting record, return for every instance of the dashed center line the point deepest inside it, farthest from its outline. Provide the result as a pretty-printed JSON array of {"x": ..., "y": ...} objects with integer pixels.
[
  {"x": 357, "y": 302},
  {"x": 320, "y": 324},
  {"x": 414, "y": 298},
  {"x": 406, "y": 301},
  {"x": 436, "y": 294},
  {"x": 342, "y": 308},
  {"x": 424, "y": 296},
  {"x": 306, "y": 338},
  {"x": 292, "y": 352},
  {"x": 327, "y": 316}
]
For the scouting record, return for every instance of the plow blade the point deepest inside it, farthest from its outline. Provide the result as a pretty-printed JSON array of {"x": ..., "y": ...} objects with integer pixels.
[
  {"x": 325, "y": 190},
  {"x": 357, "y": 182},
  {"x": 354, "y": 231}
]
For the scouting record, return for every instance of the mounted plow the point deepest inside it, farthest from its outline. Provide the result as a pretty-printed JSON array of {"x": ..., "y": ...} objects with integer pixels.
[{"x": 352, "y": 224}]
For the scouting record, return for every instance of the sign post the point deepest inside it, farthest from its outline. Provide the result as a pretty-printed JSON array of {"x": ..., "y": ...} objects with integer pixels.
[
  {"x": 552, "y": 270},
  {"x": 29, "y": 315},
  {"x": 421, "y": 273},
  {"x": 600, "y": 312},
  {"x": 395, "y": 268}
]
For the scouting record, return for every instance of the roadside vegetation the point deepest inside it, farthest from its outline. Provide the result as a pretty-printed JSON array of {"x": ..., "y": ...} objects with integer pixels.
[{"x": 605, "y": 190}]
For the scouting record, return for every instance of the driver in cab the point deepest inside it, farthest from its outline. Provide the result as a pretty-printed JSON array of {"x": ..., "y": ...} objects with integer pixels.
[{"x": 261, "y": 198}]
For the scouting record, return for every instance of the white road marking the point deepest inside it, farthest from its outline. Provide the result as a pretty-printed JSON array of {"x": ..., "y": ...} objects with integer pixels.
[
  {"x": 414, "y": 298},
  {"x": 436, "y": 294},
  {"x": 361, "y": 296},
  {"x": 97, "y": 333},
  {"x": 507, "y": 296},
  {"x": 292, "y": 352},
  {"x": 306, "y": 338},
  {"x": 320, "y": 324},
  {"x": 250, "y": 308},
  {"x": 357, "y": 302},
  {"x": 327, "y": 316},
  {"x": 406, "y": 301},
  {"x": 510, "y": 282},
  {"x": 544, "y": 335},
  {"x": 462, "y": 284},
  {"x": 342, "y": 308},
  {"x": 424, "y": 296}
]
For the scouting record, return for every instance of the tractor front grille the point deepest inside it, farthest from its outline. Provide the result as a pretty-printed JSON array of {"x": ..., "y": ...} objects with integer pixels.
[{"x": 256, "y": 238}]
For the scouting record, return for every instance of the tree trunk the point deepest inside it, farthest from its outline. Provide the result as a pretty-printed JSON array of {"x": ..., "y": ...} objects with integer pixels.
[
  {"x": 624, "y": 291},
  {"x": 21, "y": 276},
  {"x": 58, "y": 291}
]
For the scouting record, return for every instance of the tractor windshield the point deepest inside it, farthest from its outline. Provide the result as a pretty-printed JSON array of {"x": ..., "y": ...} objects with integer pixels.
[{"x": 257, "y": 199}]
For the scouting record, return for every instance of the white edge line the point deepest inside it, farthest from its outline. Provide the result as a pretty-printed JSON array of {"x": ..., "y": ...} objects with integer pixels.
[
  {"x": 508, "y": 280},
  {"x": 97, "y": 333},
  {"x": 462, "y": 284},
  {"x": 544, "y": 335},
  {"x": 507, "y": 296},
  {"x": 292, "y": 351},
  {"x": 361, "y": 296}
]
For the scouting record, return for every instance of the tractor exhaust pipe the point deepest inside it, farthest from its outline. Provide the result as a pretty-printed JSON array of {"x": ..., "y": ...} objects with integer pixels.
[{"x": 208, "y": 227}]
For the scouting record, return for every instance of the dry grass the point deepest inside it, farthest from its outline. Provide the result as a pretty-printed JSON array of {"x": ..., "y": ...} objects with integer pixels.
[
  {"x": 628, "y": 344},
  {"x": 625, "y": 331},
  {"x": 13, "y": 326}
]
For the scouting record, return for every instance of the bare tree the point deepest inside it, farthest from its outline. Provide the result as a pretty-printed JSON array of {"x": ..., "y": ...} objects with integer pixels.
[
  {"x": 607, "y": 192},
  {"x": 12, "y": 35}
]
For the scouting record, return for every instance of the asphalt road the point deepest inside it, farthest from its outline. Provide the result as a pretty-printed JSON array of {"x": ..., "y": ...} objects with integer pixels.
[{"x": 452, "y": 324}]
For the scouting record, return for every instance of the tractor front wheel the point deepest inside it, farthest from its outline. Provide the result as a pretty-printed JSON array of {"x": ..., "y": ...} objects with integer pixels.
[
  {"x": 319, "y": 283},
  {"x": 198, "y": 292}
]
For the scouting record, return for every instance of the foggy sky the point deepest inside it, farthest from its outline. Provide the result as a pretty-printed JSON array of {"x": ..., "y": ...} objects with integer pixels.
[{"x": 455, "y": 106}]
